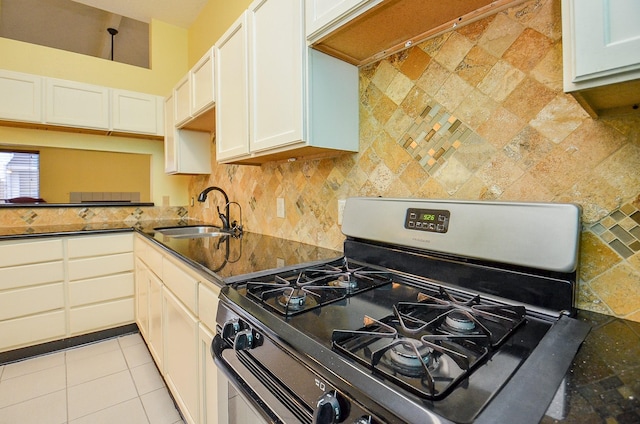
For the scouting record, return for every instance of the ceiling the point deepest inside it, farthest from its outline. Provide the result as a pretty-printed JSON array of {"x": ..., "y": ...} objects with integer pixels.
[{"x": 81, "y": 25}]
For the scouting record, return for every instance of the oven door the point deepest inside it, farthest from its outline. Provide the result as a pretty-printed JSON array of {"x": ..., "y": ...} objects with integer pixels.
[{"x": 266, "y": 394}]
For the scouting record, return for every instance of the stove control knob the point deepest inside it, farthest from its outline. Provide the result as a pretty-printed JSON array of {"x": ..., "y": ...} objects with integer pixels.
[
  {"x": 363, "y": 420},
  {"x": 230, "y": 329},
  {"x": 244, "y": 340},
  {"x": 330, "y": 408}
]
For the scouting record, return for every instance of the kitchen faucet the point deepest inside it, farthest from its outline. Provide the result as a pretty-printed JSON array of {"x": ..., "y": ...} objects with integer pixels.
[{"x": 223, "y": 217}]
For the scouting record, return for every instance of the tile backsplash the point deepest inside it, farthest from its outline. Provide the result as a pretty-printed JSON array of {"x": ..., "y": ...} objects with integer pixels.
[{"x": 477, "y": 113}]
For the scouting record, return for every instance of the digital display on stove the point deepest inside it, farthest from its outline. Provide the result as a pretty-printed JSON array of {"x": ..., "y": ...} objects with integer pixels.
[{"x": 431, "y": 220}]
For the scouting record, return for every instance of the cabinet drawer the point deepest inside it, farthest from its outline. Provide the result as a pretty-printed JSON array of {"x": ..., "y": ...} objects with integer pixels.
[
  {"x": 32, "y": 300},
  {"x": 183, "y": 285},
  {"x": 101, "y": 289},
  {"x": 149, "y": 254},
  {"x": 207, "y": 306},
  {"x": 103, "y": 315},
  {"x": 82, "y": 247},
  {"x": 30, "y": 252},
  {"x": 32, "y": 329},
  {"x": 31, "y": 275},
  {"x": 81, "y": 269}
]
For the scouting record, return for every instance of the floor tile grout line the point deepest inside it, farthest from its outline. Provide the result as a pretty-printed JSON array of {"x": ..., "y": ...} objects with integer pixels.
[{"x": 66, "y": 387}]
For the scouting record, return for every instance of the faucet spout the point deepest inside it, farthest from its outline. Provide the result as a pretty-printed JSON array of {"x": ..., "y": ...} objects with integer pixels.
[{"x": 223, "y": 217}]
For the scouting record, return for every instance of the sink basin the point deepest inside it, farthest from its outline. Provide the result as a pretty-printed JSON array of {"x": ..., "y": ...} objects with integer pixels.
[{"x": 192, "y": 231}]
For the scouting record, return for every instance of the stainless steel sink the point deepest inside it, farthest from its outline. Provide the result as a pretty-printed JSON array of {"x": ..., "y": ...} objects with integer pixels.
[{"x": 192, "y": 231}]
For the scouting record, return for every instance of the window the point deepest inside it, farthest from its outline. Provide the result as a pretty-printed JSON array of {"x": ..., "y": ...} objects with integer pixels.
[{"x": 19, "y": 175}]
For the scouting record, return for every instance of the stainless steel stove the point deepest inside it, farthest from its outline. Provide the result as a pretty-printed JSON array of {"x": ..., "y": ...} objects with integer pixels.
[{"x": 439, "y": 312}]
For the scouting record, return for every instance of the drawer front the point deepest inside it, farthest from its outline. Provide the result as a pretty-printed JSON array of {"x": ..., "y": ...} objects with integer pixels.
[
  {"x": 183, "y": 285},
  {"x": 30, "y": 252},
  {"x": 149, "y": 254},
  {"x": 103, "y": 315},
  {"x": 31, "y": 275},
  {"x": 80, "y": 269},
  {"x": 32, "y": 329},
  {"x": 101, "y": 289},
  {"x": 82, "y": 247},
  {"x": 31, "y": 300},
  {"x": 207, "y": 306}
]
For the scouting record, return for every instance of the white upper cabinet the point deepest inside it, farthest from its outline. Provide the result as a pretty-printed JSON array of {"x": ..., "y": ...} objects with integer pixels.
[
  {"x": 137, "y": 112},
  {"x": 232, "y": 95},
  {"x": 601, "y": 46},
  {"x": 182, "y": 101},
  {"x": 49, "y": 101},
  {"x": 76, "y": 104},
  {"x": 21, "y": 98},
  {"x": 324, "y": 15},
  {"x": 194, "y": 96},
  {"x": 301, "y": 102},
  {"x": 202, "y": 83},
  {"x": 276, "y": 82},
  {"x": 185, "y": 151}
]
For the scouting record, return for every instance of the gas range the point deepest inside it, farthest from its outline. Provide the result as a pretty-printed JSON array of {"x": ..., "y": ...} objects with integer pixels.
[{"x": 394, "y": 332}]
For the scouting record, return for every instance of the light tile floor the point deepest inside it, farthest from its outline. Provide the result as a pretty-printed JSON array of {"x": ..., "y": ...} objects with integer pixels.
[{"x": 112, "y": 381}]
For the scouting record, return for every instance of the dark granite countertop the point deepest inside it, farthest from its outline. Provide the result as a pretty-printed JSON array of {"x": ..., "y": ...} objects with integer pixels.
[
  {"x": 603, "y": 383},
  {"x": 219, "y": 257}
]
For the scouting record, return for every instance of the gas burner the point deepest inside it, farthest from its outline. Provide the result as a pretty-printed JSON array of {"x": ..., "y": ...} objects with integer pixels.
[
  {"x": 411, "y": 356},
  {"x": 293, "y": 299},
  {"x": 343, "y": 281},
  {"x": 300, "y": 290},
  {"x": 460, "y": 321}
]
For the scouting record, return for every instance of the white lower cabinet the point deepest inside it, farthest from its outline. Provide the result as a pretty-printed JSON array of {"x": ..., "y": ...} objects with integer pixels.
[
  {"x": 181, "y": 353},
  {"x": 176, "y": 311},
  {"x": 101, "y": 282},
  {"x": 56, "y": 288}
]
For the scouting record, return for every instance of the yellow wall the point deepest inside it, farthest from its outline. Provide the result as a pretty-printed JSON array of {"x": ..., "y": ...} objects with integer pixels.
[
  {"x": 168, "y": 64},
  {"x": 69, "y": 170},
  {"x": 162, "y": 185},
  {"x": 168, "y": 60},
  {"x": 214, "y": 19}
]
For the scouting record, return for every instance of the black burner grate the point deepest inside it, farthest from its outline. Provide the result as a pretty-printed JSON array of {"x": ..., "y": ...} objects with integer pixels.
[
  {"x": 293, "y": 292},
  {"x": 430, "y": 346}
]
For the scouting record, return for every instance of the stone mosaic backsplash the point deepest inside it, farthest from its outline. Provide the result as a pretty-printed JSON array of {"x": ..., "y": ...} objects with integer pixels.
[
  {"x": 620, "y": 230},
  {"x": 78, "y": 215}
]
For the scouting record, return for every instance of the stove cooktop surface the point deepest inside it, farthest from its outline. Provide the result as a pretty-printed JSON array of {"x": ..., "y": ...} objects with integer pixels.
[{"x": 452, "y": 349}]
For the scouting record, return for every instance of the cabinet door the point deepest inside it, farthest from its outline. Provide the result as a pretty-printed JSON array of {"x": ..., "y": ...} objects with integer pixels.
[
  {"x": 276, "y": 63},
  {"x": 170, "y": 154},
  {"x": 155, "y": 339},
  {"x": 606, "y": 37},
  {"x": 214, "y": 394},
  {"x": 232, "y": 101},
  {"x": 136, "y": 112},
  {"x": 321, "y": 13},
  {"x": 182, "y": 99},
  {"x": 21, "y": 98},
  {"x": 181, "y": 355},
  {"x": 142, "y": 297},
  {"x": 77, "y": 105},
  {"x": 202, "y": 84},
  {"x": 185, "y": 151}
]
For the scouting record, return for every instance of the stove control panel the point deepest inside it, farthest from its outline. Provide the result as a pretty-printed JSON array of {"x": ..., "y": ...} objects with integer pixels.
[{"x": 431, "y": 220}]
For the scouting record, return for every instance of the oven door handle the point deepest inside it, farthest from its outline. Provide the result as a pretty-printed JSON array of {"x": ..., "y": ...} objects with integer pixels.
[{"x": 245, "y": 381}]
